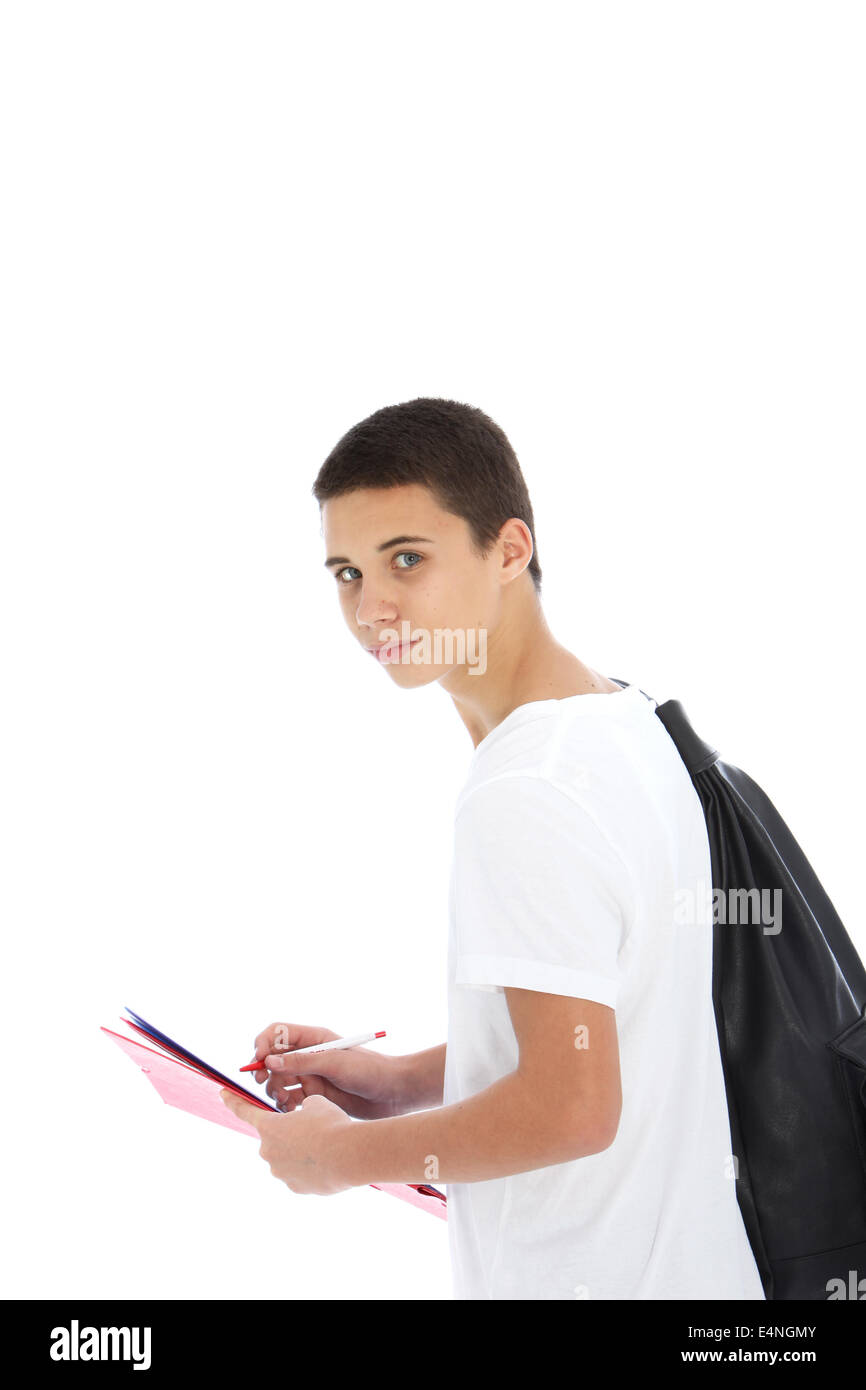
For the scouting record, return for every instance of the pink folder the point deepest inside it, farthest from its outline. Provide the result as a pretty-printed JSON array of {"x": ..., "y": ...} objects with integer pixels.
[{"x": 186, "y": 1086}]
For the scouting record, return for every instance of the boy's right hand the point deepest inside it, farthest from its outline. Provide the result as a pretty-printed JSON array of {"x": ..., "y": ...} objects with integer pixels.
[{"x": 364, "y": 1083}]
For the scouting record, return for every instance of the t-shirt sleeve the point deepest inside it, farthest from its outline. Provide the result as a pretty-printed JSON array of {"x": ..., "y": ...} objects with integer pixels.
[{"x": 542, "y": 900}]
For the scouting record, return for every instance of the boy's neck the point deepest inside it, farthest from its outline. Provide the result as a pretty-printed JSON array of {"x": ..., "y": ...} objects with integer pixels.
[{"x": 524, "y": 663}]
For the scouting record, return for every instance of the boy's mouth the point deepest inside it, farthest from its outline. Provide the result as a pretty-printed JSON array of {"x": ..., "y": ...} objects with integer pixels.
[{"x": 387, "y": 652}]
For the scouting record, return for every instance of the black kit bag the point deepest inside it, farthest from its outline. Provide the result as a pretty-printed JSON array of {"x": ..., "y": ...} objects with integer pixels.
[{"x": 790, "y": 1006}]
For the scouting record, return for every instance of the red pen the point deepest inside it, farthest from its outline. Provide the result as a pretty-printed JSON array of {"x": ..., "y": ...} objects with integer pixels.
[{"x": 334, "y": 1045}]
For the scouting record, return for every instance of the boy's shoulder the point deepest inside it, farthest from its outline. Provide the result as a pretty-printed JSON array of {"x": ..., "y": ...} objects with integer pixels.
[
  {"x": 565, "y": 741},
  {"x": 557, "y": 768}
]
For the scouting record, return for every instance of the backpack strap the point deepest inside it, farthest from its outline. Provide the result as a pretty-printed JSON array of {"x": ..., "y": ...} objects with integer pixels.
[{"x": 694, "y": 751}]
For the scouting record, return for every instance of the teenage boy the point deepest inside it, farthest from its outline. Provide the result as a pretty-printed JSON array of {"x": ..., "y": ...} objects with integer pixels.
[{"x": 578, "y": 1112}]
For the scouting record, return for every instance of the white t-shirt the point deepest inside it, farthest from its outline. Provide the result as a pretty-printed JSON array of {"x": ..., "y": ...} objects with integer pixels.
[{"x": 576, "y": 834}]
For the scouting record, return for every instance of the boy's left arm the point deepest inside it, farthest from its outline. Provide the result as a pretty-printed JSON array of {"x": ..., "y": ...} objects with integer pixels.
[{"x": 562, "y": 1102}]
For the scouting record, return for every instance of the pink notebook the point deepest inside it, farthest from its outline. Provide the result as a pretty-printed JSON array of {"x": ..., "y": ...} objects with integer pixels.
[{"x": 183, "y": 1080}]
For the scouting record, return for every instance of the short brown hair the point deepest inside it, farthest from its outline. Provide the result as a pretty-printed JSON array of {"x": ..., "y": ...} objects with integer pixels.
[{"x": 455, "y": 450}]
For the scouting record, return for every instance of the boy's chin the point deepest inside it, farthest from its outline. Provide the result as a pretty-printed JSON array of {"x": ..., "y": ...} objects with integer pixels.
[{"x": 411, "y": 676}]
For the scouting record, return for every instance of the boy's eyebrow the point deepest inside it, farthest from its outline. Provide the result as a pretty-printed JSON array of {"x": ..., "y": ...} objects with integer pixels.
[{"x": 386, "y": 545}]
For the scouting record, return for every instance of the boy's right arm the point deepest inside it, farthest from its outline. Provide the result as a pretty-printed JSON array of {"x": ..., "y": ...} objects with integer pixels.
[
  {"x": 365, "y": 1083},
  {"x": 423, "y": 1079}
]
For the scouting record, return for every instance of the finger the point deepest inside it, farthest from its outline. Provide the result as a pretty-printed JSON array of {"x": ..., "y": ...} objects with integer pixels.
[
  {"x": 281, "y": 1088},
  {"x": 315, "y": 1086},
  {"x": 280, "y": 1093},
  {"x": 289, "y": 1102},
  {"x": 318, "y": 1086},
  {"x": 276, "y": 1066},
  {"x": 266, "y": 1041},
  {"x": 336, "y": 1066},
  {"x": 317, "y": 1102},
  {"x": 272, "y": 1061},
  {"x": 273, "y": 1041},
  {"x": 282, "y": 1037},
  {"x": 261, "y": 1072},
  {"x": 239, "y": 1106}
]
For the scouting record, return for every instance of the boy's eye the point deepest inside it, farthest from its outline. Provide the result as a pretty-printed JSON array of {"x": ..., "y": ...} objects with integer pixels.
[{"x": 340, "y": 575}]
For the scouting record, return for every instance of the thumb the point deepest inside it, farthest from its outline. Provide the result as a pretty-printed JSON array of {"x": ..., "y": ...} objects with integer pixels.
[
  {"x": 316, "y": 1102},
  {"x": 240, "y": 1107},
  {"x": 333, "y": 1065}
]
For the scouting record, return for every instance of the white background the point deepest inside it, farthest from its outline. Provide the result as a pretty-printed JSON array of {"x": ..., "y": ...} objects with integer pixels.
[{"x": 631, "y": 233}]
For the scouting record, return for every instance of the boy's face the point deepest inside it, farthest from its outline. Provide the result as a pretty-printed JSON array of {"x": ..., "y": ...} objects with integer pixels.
[{"x": 392, "y": 596}]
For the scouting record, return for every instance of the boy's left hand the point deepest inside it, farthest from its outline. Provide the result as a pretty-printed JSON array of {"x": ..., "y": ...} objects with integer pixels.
[{"x": 303, "y": 1148}]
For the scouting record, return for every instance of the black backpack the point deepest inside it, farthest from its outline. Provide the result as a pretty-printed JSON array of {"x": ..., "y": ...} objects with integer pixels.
[{"x": 790, "y": 1006}]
